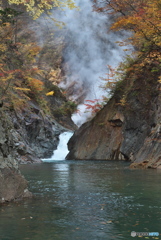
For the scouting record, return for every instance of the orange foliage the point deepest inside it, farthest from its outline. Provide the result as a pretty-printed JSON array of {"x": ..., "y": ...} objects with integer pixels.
[
  {"x": 111, "y": 78},
  {"x": 142, "y": 17},
  {"x": 94, "y": 105},
  {"x": 17, "y": 68},
  {"x": 35, "y": 85}
]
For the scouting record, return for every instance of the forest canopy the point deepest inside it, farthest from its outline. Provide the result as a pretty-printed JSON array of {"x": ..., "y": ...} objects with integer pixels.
[
  {"x": 141, "y": 17},
  {"x": 36, "y": 8},
  {"x": 18, "y": 68}
]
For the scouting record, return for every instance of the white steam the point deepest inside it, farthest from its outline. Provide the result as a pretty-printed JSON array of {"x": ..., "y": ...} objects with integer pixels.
[{"x": 90, "y": 48}]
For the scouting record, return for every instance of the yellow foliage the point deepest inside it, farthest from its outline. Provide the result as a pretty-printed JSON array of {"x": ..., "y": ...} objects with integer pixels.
[
  {"x": 17, "y": 68},
  {"x": 36, "y": 8},
  {"x": 3, "y": 47},
  {"x": 35, "y": 84},
  {"x": 50, "y": 93},
  {"x": 123, "y": 101},
  {"x": 23, "y": 89},
  {"x": 159, "y": 79},
  {"x": 142, "y": 17},
  {"x": 29, "y": 51}
]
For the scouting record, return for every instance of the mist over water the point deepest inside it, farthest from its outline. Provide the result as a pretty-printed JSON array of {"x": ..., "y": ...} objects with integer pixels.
[{"x": 90, "y": 47}]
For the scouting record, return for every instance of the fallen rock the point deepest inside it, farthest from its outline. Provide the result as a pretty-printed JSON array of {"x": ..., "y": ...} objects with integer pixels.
[{"x": 13, "y": 186}]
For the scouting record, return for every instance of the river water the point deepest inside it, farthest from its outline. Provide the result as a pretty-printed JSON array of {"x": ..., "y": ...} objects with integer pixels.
[{"x": 84, "y": 200}]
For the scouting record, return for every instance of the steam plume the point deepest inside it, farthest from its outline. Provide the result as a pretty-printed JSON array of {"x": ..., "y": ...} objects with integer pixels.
[{"x": 90, "y": 47}]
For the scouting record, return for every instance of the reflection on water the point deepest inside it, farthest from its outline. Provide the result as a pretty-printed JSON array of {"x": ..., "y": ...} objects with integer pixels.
[{"x": 84, "y": 200}]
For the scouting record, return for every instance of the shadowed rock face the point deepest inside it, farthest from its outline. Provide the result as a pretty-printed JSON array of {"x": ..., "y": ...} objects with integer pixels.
[
  {"x": 12, "y": 184},
  {"x": 29, "y": 133},
  {"x": 35, "y": 136},
  {"x": 125, "y": 132},
  {"x": 91, "y": 140},
  {"x": 25, "y": 136}
]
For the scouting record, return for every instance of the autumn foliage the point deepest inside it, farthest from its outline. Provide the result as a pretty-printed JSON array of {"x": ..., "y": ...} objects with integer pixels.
[
  {"x": 20, "y": 77},
  {"x": 141, "y": 17},
  {"x": 94, "y": 105},
  {"x": 36, "y": 8},
  {"x": 17, "y": 71},
  {"x": 140, "y": 21}
]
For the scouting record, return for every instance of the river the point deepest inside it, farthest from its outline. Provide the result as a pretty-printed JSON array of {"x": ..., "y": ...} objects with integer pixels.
[{"x": 84, "y": 200}]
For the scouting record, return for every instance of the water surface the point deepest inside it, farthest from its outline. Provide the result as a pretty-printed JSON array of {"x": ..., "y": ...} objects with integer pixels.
[{"x": 84, "y": 200}]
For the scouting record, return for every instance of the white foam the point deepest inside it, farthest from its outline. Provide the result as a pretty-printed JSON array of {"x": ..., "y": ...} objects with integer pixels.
[{"x": 62, "y": 150}]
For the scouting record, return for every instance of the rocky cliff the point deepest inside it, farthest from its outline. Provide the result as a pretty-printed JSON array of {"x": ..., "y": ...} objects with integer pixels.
[
  {"x": 12, "y": 183},
  {"x": 128, "y": 127},
  {"x": 26, "y": 136},
  {"x": 33, "y": 110}
]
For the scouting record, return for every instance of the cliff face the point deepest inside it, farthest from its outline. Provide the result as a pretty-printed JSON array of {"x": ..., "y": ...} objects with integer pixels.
[
  {"x": 33, "y": 110},
  {"x": 12, "y": 183},
  {"x": 128, "y": 127},
  {"x": 27, "y": 136},
  {"x": 35, "y": 135}
]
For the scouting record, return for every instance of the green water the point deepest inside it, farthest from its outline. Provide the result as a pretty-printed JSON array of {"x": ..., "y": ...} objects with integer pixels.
[{"x": 84, "y": 200}]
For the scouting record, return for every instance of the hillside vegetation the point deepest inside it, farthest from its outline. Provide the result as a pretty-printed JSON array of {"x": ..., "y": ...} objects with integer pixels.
[
  {"x": 33, "y": 110},
  {"x": 128, "y": 127}
]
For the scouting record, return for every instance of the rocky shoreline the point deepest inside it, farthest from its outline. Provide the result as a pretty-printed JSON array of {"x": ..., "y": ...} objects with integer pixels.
[{"x": 26, "y": 137}]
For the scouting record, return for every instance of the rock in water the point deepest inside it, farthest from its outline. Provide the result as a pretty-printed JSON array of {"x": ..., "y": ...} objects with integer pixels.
[{"x": 13, "y": 186}]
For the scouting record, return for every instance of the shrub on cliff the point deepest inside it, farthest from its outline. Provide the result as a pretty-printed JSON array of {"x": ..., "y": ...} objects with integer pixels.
[{"x": 141, "y": 19}]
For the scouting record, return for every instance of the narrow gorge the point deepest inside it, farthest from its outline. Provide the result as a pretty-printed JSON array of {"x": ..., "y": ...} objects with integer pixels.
[
  {"x": 80, "y": 119},
  {"x": 49, "y": 74}
]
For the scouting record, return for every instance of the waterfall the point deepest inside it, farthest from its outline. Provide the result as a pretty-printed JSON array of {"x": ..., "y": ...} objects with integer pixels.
[
  {"x": 89, "y": 48},
  {"x": 62, "y": 149}
]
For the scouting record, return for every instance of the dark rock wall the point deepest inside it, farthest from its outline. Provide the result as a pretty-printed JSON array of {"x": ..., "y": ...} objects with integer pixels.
[
  {"x": 91, "y": 141},
  {"x": 125, "y": 131},
  {"x": 12, "y": 184},
  {"x": 35, "y": 134},
  {"x": 26, "y": 136},
  {"x": 30, "y": 131}
]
